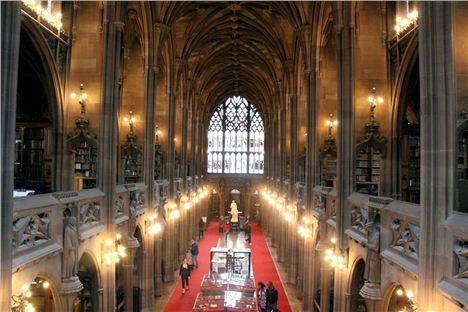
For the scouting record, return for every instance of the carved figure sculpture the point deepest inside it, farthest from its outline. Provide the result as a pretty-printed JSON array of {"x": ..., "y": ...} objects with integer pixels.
[
  {"x": 234, "y": 212},
  {"x": 70, "y": 249},
  {"x": 461, "y": 250},
  {"x": 372, "y": 270},
  {"x": 30, "y": 230},
  {"x": 119, "y": 205},
  {"x": 89, "y": 213}
]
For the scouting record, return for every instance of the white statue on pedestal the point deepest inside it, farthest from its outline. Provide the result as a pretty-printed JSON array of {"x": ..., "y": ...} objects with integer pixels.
[{"x": 234, "y": 212}]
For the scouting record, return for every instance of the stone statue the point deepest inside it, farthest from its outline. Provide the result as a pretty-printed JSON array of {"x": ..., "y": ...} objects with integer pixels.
[
  {"x": 461, "y": 250},
  {"x": 70, "y": 249},
  {"x": 234, "y": 212},
  {"x": 372, "y": 271}
]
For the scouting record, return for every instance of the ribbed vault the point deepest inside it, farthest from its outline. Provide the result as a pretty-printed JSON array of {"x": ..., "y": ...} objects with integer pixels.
[{"x": 233, "y": 48}]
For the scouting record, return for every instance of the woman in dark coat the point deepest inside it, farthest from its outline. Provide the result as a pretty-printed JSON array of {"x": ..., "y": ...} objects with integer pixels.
[{"x": 184, "y": 273}]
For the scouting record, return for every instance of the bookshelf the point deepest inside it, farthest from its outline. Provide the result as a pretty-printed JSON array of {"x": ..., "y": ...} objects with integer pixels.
[
  {"x": 329, "y": 170},
  {"x": 368, "y": 169},
  {"x": 86, "y": 163},
  {"x": 369, "y": 161},
  {"x": 83, "y": 149},
  {"x": 132, "y": 157},
  {"x": 132, "y": 167},
  {"x": 29, "y": 157}
]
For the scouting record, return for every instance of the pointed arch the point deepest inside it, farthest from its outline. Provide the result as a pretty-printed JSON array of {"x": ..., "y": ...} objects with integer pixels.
[{"x": 236, "y": 137}]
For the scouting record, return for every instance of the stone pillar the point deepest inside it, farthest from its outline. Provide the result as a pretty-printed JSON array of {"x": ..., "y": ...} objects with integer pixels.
[
  {"x": 292, "y": 233},
  {"x": 170, "y": 143},
  {"x": 183, "y": 162},
  {"x": 148, "y": 176},
  {"x": 438, "y": 146},
  {"x": 344, "y": 32},
  {"x": 157, "y": 266},
  {"x": 108, "y": 134},
  {"x": 311, "y": 178},
  {"x": 127, "y": 272},
  {"x": 167, "y": 252},
  {"x": 11, "y": 21},
  {"x": 325, "y": 284}
]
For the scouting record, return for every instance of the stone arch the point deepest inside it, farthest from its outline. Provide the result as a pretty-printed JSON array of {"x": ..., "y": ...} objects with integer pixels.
[
  {"x": 393, "y": 301},
  {"x": 46, "y": 80},
  {"x": 355, "y": 283},
  {"x": 89, "y": 275},
  {"x": 403, "y": 80}
]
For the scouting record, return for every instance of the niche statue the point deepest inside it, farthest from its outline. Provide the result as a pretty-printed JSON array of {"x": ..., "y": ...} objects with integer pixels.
[{"x": 70, "y": 249}]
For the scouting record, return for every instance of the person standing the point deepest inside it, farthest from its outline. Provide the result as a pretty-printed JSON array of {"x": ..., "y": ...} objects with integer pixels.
[
  {"x": 194, "y": 253},
  {"x": 271, "y": 297},
  {"x": 201, "y": 229},
  {"x": 184, "y": 273},
  {"x": 227, "y": 229},
  {"x": 248, "y": 232},
  {"x": 261, "y": 295}
]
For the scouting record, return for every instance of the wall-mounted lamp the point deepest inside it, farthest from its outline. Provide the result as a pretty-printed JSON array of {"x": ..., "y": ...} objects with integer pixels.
[
  {"x": 152, "y": 226},
  {"x": 157, "y": 133},
  {"x": 373, "y": 100},
  {"x": 81, "y": 99},
  {"x": 331, "y": 123},
  {"x": 131, "y": 120},
  {"x": 113, "y": 250}
]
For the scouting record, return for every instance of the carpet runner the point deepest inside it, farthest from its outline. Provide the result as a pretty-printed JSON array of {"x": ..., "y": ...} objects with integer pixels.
[{"x": 264, "y": 270}]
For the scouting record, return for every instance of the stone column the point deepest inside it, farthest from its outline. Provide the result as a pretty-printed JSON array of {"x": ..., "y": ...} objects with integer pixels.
[
  {"x": 344, "y": 32},
  {"x": 170, "y": 143},
  {"x": 157, "y": 266},
  {"x": 127, "y": 272},
  {"x": 311, "y": 178},
  {"x": 292, "y": 233},
  {"x": 11, "y": 21},
  {"x": 108, "y": 134},
  {"x": 325, "y": 284},
  {"x": 183, "y": 162},
  {"x": 438, "y": 146},
  {"x": 148, "y": 176}
]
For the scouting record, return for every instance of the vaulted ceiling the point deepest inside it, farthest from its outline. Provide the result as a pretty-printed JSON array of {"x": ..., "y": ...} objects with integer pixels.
[{"x": 234, "y": 48}]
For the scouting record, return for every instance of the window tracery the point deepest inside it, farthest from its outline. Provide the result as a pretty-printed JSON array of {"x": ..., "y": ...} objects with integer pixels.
[{"x": 236, "y": 138}]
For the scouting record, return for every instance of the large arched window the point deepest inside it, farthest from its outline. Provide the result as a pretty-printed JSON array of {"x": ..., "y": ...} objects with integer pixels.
[{"x": 236, "y": 138}]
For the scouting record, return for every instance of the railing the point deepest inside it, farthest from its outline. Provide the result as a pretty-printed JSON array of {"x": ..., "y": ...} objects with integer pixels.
[{"x": 38, "y": 222}]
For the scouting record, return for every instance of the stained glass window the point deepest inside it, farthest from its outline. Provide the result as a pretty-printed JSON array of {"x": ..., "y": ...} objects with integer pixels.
[{"x": 236, "y": 138}]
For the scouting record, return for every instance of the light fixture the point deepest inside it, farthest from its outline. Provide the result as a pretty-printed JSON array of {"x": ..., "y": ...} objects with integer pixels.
[
  {"x": 21, "y": 302},
  {"x": 54, "y": 20},
  {"x": 131, "y": 120},
  {"x": 331, "y": 123},
  {"x": 113, "y": 250},
  {"x": 373, "y": 100},
  {"x": 288, "y": 216},
  {"x": 152, "y": 225},
  {"x": 81, "y": 99},
  {"x": 403, "y": 23},
  {"x": 333, "y": 240}
]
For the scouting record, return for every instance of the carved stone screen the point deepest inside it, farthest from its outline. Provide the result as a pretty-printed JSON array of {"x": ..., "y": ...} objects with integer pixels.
[{"x": 236, "y": 138}]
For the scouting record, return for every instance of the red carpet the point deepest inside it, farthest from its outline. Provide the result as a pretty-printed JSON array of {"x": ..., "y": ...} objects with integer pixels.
[
  {"x": 264, "y": 268},
  {"x": 185, "y": 302}
]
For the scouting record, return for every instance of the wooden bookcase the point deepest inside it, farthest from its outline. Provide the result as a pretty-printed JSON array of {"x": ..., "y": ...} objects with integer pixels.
[
  {"x": 132, "y": 159},
  {"x": 369, "y": 161},
  {"x": 29, "y": 156},
  {"x": 83, "y": 149}
]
